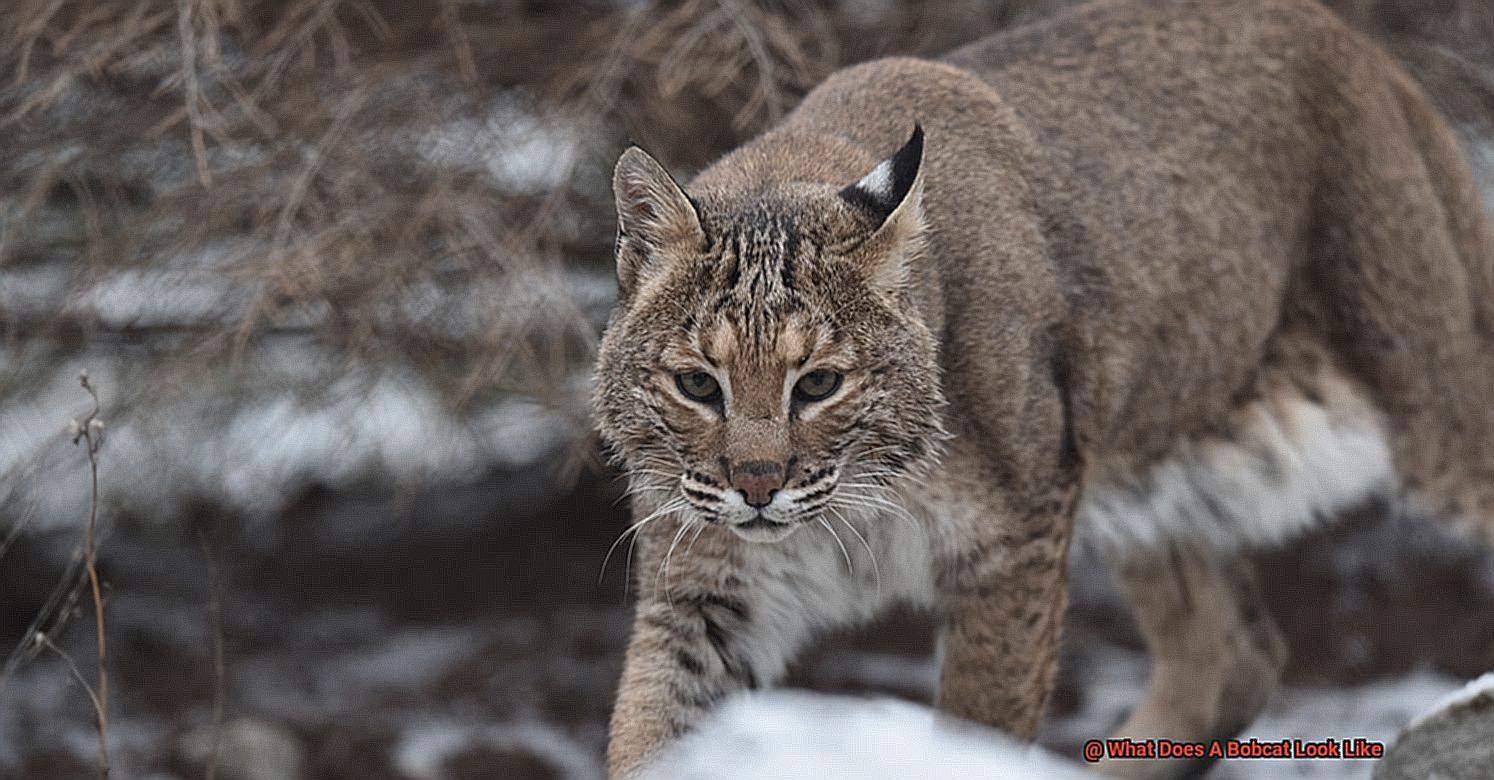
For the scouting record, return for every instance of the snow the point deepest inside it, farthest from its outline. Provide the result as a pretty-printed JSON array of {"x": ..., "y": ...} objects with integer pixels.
[
  {"x": 1376, "y": 711},
  {"x": 781, "y": 734},
  {"x": 43, "y": 693},
  {"x": 164, "y": 297},
  {"x": 1114, "y": 680},
  {"x": 510, "y": 143},
  {"x": 423, "y": 749},
  {"x": 408, "y": 660},
  {"x": 1482, "y": 686},
  {"x": 289, "y": 424},
  {"x": 31, "y": 292},
  {"x": 788, "y": 733},
  {"x": 297, "y": 410}
]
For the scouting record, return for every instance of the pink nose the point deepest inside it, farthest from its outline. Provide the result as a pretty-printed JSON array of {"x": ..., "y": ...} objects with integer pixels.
[{"x": 757, "y": 481}]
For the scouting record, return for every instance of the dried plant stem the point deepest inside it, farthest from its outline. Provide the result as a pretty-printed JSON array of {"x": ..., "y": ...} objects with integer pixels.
[
  {"x": 192, "y": 89},
  {"x": 72, "y": 668},
  {"x": 91, "y": 432},
  {"x": 91, "y": 562}
]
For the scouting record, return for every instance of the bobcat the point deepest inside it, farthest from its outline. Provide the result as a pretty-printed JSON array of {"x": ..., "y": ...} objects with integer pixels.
[{"x": 1173, "y": 278}]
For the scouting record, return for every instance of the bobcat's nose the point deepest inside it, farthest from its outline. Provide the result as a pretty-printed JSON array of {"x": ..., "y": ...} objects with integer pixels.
[{"x": 757, "y": 481}]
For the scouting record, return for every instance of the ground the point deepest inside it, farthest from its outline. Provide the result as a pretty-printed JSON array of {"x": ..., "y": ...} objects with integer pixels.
[{"x": 420, "y": 646}]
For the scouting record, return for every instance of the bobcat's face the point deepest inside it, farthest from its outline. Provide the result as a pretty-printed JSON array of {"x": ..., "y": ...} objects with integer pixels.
[{"x": 766, "y": 366}]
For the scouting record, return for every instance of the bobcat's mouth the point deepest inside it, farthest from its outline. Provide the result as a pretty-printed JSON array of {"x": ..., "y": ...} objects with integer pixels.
[{"x": 761, "y": 529}]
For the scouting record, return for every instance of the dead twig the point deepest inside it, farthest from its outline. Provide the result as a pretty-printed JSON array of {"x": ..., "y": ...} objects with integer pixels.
[{"x": 90, "y": 431}]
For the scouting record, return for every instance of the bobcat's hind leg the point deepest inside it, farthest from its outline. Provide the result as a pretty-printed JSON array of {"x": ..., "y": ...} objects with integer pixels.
[{"x": 1216, "y": 654}]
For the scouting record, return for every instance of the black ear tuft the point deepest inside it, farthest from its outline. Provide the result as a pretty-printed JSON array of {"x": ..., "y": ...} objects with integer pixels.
[{"x": 880, "y": 192}]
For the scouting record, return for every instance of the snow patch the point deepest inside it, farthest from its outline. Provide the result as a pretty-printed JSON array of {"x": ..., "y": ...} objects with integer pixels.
[
  {"x": 255, "y": 448},
  {"x": 423, "y": 750},
  {"x": 513, "y": 145},
  {"x": 1483, "y": 686},
  {"x": 797, "y": 734},
  {"x": 1376, "y": 711}
]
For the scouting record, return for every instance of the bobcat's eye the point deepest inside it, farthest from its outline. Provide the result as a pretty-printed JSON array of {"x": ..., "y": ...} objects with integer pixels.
[
  {"x": 698, "y": 386},
  {"x": 817, "y": 385}
]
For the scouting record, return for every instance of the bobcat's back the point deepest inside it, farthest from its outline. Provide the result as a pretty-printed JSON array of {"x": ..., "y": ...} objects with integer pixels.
[
  {"x": 1251, "y": 201},
  {"x": 1183, "y": 208}
]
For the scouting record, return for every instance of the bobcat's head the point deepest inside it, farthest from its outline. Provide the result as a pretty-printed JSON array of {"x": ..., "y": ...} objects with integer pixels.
[{"x": 766, "y": 365}]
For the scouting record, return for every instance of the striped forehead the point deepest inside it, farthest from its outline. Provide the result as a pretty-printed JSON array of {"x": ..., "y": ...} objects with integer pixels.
[{"x": 760, "y": 272}]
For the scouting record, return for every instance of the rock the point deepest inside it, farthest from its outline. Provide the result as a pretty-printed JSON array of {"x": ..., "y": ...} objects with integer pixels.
[
  {"x": 1452, "y": 741},
  {"x": 248, "y": 749}
]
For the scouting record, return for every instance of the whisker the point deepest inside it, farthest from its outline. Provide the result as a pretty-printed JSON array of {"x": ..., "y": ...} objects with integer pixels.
[
  {"x": 857, "y": 507},
  {"x": 833, "y": 535},
  {"x": 888, "y": 477},
  {"x": 874, "y": 506},
  {"x": 646, "y": 489},
  {"x": 656, "y": 472},
  {"x": 871, "y": 485},
  {"x": 669, "y": 506},
  {"x": 891, "y": 502},
  {"x": 664, "y": 567},
  {"x": 876, "y": 499},
  {"x": 876, "y": 569},
  {"x": 691, "y": 545}
]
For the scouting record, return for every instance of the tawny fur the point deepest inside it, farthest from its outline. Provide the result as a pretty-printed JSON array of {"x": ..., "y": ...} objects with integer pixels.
[{"x": 1196, "y": 272}]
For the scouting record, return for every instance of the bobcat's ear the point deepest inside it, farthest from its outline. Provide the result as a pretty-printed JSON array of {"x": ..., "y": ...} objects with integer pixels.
[
  {"x": 653, "y": 212},
  {"x": 892, "y": 197}
]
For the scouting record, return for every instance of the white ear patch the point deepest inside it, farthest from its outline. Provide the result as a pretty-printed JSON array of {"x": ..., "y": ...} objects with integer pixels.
[
  {"x": 881, "y": 191},
  {"x": 878, "y": 183}
]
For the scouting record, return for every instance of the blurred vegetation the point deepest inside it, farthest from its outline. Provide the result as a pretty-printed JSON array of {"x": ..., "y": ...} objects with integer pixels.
[{"x": 313, "y": 151}]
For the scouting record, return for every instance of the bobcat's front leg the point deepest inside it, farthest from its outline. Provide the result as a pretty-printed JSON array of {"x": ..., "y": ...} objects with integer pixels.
[
  {"x": 680, "y": 661},
  {"x": 1001, "y": 644},
  {"x": 711, "y": 626}
]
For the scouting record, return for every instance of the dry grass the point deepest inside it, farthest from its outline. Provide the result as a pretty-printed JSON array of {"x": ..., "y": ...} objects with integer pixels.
[
  {"x": 293, "y": 131},
  {"x": 220, "y": 666},
  {"x": 341, "y": 172}
]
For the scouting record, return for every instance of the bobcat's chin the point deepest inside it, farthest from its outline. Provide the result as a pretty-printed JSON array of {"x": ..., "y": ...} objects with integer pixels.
[
  {"x": 762, "y": 530},
  {"x": 771, "y": 523}
]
